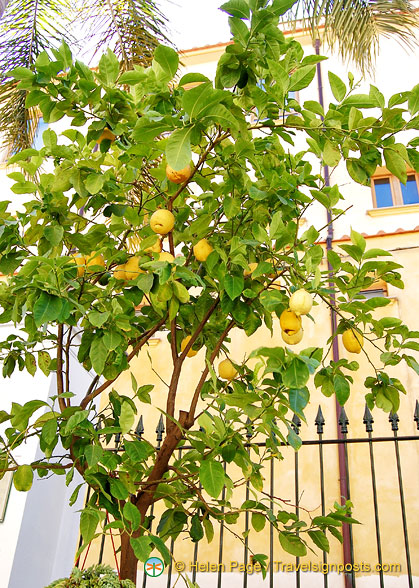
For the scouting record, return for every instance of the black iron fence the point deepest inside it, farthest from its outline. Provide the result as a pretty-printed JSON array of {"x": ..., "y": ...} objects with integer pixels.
[{"x": 371, "y": 483}]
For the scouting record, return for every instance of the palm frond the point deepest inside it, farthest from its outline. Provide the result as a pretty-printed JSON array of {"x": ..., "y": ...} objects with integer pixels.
[
  {"x": 131, "y": 28},
  {"x": 27, "y": 28},
  {"x": 354, "y": 27}
]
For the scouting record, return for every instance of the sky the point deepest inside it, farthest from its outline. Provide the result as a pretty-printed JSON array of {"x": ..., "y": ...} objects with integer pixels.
[{"x": 195, "y": 23}]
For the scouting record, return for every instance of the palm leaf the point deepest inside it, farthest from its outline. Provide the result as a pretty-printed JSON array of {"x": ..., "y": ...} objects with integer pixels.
[
  {"x": 355, "y": 26},
  {"x": 26, "y": 29},
  {"x": 131, "y": 28}
]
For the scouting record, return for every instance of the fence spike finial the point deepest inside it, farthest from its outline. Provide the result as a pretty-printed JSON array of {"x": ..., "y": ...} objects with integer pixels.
[
  {"x": 320, "y": 422},
  {"x": 416, "y": 415},
  {"x": 394, "y": 420},
  {"x": 249, "y": 428},
  {"x": 139, "y": 430},
  {"x": 368, "y": 420},
  {"x": 160, "y": 429},
  {"x": 343, "y": 421},
  {"x": 296, "y": 423}
]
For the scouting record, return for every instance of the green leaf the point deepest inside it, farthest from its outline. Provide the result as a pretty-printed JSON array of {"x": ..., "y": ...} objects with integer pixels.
[
  {"x": 192, "y": 78},
  {"x": 331, "y": 153},
  {"x": 98, "y": 354},
  {"x": 97, "y": 319},
  {"x": 108, "y": 68},
  {"x": 46, "y": 309},
  {"x": 30, "y": 363},
  {"x": 342, "y": 389},
  {"x": 44, "y": 361},
  {"x": 23, "y": 478},
  {"x": 142, "y": 547},
  {"x": 127, "y": 417},
  {"x": 132, "y": 77},
  {"x": 168, "y": 61},
  {"x": 258, "y": 521},
  {"x": 75, "y": 419},
  {"x": 132, "y": 514},
  {"x": 24, "y": 187},
  {"x": 137, "y": 451},
  {"x": 299, "y": 398},
  {"x": 292, "y": 544},
  {"x": 118, "y": 489},
  {"x": 296, "y": 375},
  {"x": 302, "y": 78},
  {"x": 94, "y": 183},
  {"x": 178, "y": 148},
  {"x": 164, "y": 552},
  {"x": 89, "y": 520},
  {"x": 395, "y": 163},
  {"x": 337, "y": 86},
  {"x": 196, "y": 531},
  {"x": 237, "y": 8},
  {"x": 212, "y": 477},
  {"x": 209, "y": 529},
  {"x": 320, "y": 539},
  {"x": 358, "y": 240},
  {"x": 293, "y": 439},
  {"x": 233, "y": 286},
  {"x": 54, "y": 234},
  {"x": 93, "y": 454},
  {"x": 413, "y": 102},
  {"x": 197, "y": 100}
]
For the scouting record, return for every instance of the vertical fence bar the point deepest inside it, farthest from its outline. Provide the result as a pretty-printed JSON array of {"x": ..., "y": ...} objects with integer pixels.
[
  {"x": 221, "y": 545},
  {"x": 296, "y": 424},
  {"x": 320, "y": 422},
  {"x": 394, "y": 420},
  {"x": 368, "y": 422},
  {"x": 343, "y": 423}
]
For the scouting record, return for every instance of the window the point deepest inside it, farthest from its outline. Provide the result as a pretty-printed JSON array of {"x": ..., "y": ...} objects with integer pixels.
[{"x": 387, "y": 190}]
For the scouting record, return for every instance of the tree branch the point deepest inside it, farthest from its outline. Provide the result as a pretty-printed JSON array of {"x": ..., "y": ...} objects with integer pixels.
[
  {"x": 91, "y": 395},
  {"x": 191, "y": 414}
]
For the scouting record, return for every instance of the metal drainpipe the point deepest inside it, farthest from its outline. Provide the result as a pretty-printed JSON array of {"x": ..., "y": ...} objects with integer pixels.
[{"x": 335, "y": 348}]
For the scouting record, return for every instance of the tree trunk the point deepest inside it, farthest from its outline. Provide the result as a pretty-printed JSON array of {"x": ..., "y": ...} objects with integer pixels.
[
  {"x": 3, "y": 4},
  {"x": 129, "y": 562}
]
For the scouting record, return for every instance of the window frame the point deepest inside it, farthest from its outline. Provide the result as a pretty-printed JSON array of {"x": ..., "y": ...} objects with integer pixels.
[{"x": 395, "y": 187}]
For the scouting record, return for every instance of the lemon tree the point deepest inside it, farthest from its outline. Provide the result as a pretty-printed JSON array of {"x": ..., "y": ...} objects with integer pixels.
[{"x": 204, "y": 178}]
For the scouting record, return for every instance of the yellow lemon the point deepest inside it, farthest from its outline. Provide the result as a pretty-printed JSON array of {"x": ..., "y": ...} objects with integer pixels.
[
  {"x": 294, "y": 338},
  {"x": 106, "y": 134},
  {"x": 165, "y": 256},
  {"x": 81, "y": 264},
  {"x": 202, "y": 249},
  {"x": 301, "y": 302},
  {"x": 119, "y": 272},
  {"x": 352, "y": 341},
  {"x": 162, "y": 221},
  {"x": 93, "y": 261},
  {"x": 156, "y": 248},
  {"x": 178, "y": 177},
  {"x": 226, "y": 370},
  {"x": 250, "y": 269},
  {"x": 132, "y": 268},
  {"x": 185, "y": 341},
  {"x": 290, "y": 322}
]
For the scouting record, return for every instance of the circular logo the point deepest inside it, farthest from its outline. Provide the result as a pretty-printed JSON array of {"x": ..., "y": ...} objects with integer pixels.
[{"x": 154, "y": 567}]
